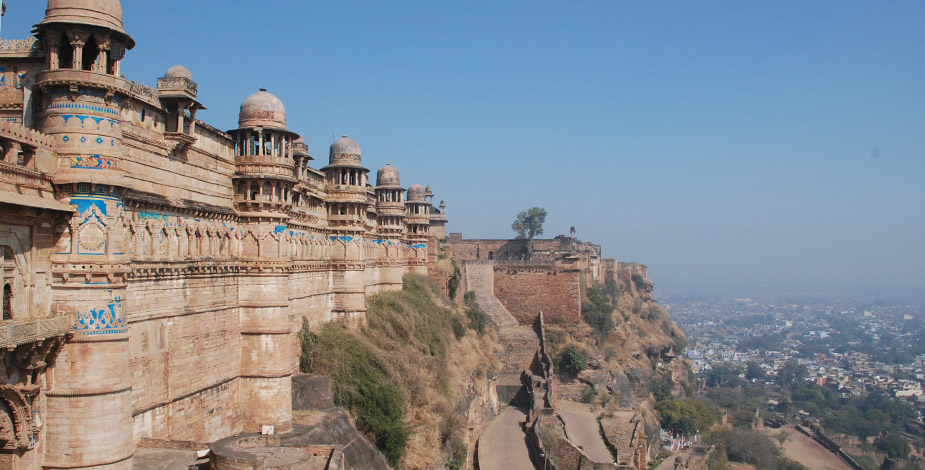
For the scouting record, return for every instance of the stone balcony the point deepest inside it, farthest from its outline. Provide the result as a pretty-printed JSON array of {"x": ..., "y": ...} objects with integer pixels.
[
  {"x": 391, "y": 208},
  {"x": 261, "y": 203},
  {"x": 90, "y": 79},
  {"x": 177, "y": 86},
  {"x": 417, "y": 219},
  {"x": 16, "y": 332},
  {"x": 265, "y": 166},
  {"x": 347, "y": 193}
]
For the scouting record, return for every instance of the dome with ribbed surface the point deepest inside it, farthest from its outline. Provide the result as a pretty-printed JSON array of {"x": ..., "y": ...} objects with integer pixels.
[
  {"x": 387, "y": 176},
  {"x": 345, "y": 152},
  {"x": 178, "y": 71},
  {"x": 103, "y": 13},
  {"x": 262, "y": 109},
  {"x": 416, "y": 193}
]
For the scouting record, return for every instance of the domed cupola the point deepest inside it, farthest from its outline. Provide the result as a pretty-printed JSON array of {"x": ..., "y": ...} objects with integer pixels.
[
  {"x": 267, "y": 169},
  {"x": 416, "y": 193},
  {"x": 387, "y": 176},
  {"x": 346, "y": 152},
  {"x": 262, "y": 109},
  {"x": 105, "y": 14},
  {"x": 178, "y": 71}
]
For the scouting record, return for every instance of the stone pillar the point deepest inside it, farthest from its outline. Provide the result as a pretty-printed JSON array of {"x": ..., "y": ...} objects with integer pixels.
[
  {"x": 53, "y": 61},
  {"x": 266, "y": 341},
  {"x": 78, "y": 59},
  {"x": 180, "y": 111}
]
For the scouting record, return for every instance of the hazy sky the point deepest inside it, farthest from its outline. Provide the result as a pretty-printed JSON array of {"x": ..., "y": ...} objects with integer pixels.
[{"x": 718, "y": 142}]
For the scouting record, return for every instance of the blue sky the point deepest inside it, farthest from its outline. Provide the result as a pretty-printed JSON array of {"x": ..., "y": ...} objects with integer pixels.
[{"x": 722, "y": 143}]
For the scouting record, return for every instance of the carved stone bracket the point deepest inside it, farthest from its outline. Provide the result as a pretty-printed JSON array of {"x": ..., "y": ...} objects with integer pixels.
[{"x": 16, "y": 426}]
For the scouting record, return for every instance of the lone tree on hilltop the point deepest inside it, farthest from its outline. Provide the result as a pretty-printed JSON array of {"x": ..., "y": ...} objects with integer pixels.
[
  {"x": 528, "y": 224},
  {"x": 782, "y": 437}
]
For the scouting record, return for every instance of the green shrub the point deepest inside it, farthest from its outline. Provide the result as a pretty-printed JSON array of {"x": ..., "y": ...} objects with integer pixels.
[
  {"x": 478, "y": 319},
  {"x": 459, "y": 330},
  {"x": 661, "y": 387},
  {"x": 893, "y": 445},
  {"x": 639, "y": 281},
  {"x": 598, "y": 311},
  {"x": 308, "y": 340},
  {"x": 362, "y": 385},
  {"x": 571, "y": 361},
  {"x": 588, "y": 394},
  {"x": 866, "y": 461}
]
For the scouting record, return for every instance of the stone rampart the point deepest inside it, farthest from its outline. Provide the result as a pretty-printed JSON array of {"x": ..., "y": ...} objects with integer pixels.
[{"x": 531, "y": 287}]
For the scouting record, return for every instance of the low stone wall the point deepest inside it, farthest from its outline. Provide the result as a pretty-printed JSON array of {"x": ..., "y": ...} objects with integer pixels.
[
  {"x": 149, "y": 443},
  {"x": 232, "y": 453}
]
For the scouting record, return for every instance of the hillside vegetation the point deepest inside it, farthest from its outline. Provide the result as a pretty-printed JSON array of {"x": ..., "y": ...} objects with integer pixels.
[{"x": 408, "y": 375}]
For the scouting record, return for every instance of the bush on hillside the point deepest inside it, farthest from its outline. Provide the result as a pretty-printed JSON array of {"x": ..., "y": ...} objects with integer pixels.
[
  {"x": 571, "y": 361},
  {"x": 598, "y": 311},
  {"x": 661, "y": 387},
  {"x": 362, "y": 385},
  {"x": 478, "y": 319},
  {"x": 686, "y": 417},
  {"x": 893, "y": 445},
  {"x": 417, "y": 324}
]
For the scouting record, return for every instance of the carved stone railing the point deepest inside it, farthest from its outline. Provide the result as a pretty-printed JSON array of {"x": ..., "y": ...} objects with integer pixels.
[
  {"x": 16, "y": 332},
  {"x": 18, "y": 47},
  {"x": 144, "y": 91},
  {"x": 182, "y": 84},
  {"x": 300, "y": 148}
]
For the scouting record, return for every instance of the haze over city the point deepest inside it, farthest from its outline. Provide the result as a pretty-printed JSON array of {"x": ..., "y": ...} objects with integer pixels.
[{"x": 720, "y": 143}]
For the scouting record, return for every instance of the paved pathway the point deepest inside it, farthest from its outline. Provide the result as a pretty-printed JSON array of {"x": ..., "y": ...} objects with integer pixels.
[
  {"x": 502, "y": 445},
  {"x": 668, "y": 464},
  {"x": 583, "y": 430}
]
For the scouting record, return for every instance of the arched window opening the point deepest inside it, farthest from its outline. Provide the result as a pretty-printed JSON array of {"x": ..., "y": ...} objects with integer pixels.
[
  {"x": 65, "y": 53},
  {"x": 90, "y": 53},
  {"x": 7, "y": 301}
]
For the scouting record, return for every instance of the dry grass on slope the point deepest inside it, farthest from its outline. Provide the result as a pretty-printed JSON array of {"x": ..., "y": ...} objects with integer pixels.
[{"x": 422, "y": 346}]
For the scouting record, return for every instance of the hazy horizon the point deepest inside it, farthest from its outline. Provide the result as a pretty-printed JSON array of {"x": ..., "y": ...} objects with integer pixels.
[{"x": 720, "y": 143}]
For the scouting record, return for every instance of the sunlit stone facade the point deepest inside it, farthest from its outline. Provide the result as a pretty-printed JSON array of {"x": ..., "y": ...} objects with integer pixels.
[{"x": 155, "y": 269}]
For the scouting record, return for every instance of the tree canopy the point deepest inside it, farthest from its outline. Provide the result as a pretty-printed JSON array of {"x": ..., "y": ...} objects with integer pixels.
[
  {"x": 529, "y": 223},
  {"x": 791, "y": 373},
  {"x": 686, "y": 417},
  {"x": 724, "y": 374}
]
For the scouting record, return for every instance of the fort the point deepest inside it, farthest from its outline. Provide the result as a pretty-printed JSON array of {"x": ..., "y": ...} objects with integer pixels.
[{"x": 156, "y": 270}]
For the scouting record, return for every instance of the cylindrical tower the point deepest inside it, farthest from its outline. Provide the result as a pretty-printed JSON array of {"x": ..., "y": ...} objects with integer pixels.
[
  {"x": 347, "y": 190},
  {"x": 79, "y": 100},
  {"x": 265, "y": 174},
  {"x": 390, "y": 206},
  {"x": 418, "y": 222},
  {"x": 390, "y": 203}
]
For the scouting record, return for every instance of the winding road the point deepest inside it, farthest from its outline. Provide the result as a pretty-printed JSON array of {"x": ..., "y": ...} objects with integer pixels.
[
  {"x": 502, "y": 445},
  {"x": 583, "y": 430}
]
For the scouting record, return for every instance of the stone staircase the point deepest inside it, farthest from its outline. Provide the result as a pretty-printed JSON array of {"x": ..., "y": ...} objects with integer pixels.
[{"x": 520, "y": 342}]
